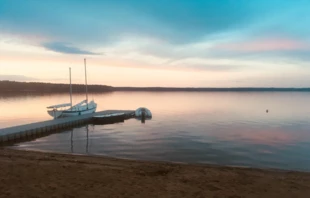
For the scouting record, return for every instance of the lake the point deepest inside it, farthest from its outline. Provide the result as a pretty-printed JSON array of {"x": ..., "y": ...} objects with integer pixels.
[{"x": 226, "y": 128}]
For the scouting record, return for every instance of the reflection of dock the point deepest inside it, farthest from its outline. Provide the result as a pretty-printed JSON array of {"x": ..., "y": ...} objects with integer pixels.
[
  {"x": 47, "y": 127},
  {"x": 87, "y": 140}
]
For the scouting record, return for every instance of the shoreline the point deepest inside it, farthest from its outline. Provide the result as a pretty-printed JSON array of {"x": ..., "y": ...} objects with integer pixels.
[
  {"x": 48, "y": 174},
  {"x": 11, "y": 87},
  {"x": 107, "y": 157}
]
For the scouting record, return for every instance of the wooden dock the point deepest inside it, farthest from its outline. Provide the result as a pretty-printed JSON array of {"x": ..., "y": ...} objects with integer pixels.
[{"x": 40, "y": 128}]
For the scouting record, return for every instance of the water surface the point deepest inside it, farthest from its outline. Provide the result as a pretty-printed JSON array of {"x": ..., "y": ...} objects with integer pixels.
[{"x": 227, "y": 128}]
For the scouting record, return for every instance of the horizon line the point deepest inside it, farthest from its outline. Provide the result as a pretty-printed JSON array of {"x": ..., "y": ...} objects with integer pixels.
[{"x": 159, "y": 87}]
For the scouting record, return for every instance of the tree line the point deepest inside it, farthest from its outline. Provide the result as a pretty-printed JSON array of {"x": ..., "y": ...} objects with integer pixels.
[{"x": 38, "y": 87}]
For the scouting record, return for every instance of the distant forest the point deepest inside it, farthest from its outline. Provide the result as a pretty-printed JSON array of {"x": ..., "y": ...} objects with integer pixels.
[
  {"x": 13, "y": 86},
  {"x": 34, "y": 87}
]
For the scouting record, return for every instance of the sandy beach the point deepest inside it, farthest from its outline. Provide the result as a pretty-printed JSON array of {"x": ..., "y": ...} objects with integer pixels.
[{"x": 38, "y": 174}]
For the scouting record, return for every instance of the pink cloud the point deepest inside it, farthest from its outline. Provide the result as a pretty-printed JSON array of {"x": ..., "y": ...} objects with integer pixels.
[{"x": 266, "y": 44}]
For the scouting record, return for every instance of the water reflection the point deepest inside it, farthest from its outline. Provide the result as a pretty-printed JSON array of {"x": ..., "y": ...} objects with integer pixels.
[
  {"x": 143, "y": 119},
  {"x": 78, "y": 141},
  {"x": 219, "y": 128},
  {"x": 86, "y": 138},
  {"x": 279, "y": 136},
  {"x": 72, "y": 141},
  {"x": 227, "y": 107}
]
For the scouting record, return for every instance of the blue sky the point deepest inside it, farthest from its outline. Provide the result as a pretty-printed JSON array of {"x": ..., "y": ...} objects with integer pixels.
[{"x": 159, "y": 43}]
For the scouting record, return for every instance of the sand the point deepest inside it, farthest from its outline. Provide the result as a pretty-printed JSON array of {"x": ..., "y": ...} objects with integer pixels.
[{"x": 38, "y": 174}]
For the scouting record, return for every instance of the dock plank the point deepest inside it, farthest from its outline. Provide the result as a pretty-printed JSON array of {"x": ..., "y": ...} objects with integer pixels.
[{"x": 18, "y": 130}]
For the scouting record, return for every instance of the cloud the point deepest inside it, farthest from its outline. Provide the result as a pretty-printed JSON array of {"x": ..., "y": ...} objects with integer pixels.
[
  {"x": 265, "y": 44},
  {"x": 207, "y": 67},
  {"x": 65, "y": 48},
  {"x": 189, "y": 21},
  {"x": 242, "y": 54},
  {"x": 276, "y": 49},
  {"x": 175, "y": 21},
  {"x": 17, "y": 78},
  {"x": 168, "y": 34}
]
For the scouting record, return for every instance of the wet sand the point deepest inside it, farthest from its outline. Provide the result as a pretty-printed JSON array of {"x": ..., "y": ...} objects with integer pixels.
[{"x": 38, "y": 174}]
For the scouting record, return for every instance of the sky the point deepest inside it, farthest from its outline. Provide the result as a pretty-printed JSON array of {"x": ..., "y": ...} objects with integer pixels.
[{"x": 175, "y": 43}]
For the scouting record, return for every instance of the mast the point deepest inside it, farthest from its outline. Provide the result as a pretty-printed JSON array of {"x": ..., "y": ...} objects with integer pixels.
[
  {"x": 86, "y": 83},
  {"x": 70, "y": 87}
]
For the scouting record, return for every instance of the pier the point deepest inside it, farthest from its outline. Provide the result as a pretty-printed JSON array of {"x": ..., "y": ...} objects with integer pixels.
[{"x": 45, "y": 127}]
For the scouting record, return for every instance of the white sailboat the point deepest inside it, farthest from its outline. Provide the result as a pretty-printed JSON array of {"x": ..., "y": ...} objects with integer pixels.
[{"x": 82, "y": 108}]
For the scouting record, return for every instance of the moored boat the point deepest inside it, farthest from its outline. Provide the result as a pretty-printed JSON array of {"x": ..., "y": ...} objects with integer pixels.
[{"x": 82, "y": 108}]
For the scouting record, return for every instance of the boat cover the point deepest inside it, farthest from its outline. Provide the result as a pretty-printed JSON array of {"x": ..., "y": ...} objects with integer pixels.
[
  {"x": 80, "y": 103},
  {"x": 59, "y": 105}
]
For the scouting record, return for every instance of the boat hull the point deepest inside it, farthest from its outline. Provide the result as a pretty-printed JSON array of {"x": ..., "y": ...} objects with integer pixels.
[
  {"x": 54, "y": 113},
  {"x": 69, "y": 113},
  {"x": 77, "y": 113}
]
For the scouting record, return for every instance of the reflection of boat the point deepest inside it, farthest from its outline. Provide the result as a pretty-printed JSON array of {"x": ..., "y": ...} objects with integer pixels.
[{"x": 84, "y": 107}]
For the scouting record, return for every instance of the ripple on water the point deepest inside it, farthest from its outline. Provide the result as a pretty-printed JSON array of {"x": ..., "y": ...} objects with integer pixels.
[{"x": 214, "y": 128}]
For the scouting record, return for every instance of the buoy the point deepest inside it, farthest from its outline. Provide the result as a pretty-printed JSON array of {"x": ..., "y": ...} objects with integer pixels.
[
  {"x": 143, "y": 114},
  {"x": 142, "y": 111}
]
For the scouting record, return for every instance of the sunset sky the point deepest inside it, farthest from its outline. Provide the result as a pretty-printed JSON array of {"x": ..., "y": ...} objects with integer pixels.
[{"x": 175, "y": 43}]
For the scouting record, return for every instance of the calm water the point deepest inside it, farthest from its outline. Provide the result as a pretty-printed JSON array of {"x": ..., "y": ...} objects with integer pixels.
[{"x": 196, "y": 127}]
